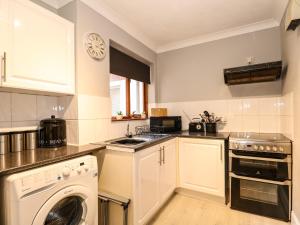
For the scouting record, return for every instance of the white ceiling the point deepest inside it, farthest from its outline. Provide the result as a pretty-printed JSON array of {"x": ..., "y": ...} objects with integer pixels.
[{"x": 163, "y": 25}]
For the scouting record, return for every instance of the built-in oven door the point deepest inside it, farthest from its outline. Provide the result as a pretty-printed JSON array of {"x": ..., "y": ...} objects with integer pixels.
[
  {"x": 261, "y": 166},
  {"x": 262, "y": 197}
]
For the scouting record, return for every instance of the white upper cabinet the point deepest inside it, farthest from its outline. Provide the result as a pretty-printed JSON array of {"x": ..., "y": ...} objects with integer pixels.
[
  {"x": 201, "y": 165},
  {"x": 38, "y": 46}
]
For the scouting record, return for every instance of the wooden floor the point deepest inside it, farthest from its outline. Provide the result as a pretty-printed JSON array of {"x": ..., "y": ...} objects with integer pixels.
[{"x": 182, "y": 210}]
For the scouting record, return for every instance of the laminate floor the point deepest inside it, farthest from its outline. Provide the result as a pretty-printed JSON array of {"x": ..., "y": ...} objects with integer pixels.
[{"x": 182, "y": 210}]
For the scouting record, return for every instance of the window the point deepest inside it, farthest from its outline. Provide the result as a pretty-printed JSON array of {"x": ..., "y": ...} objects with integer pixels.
[
  {"x": 128, "y": 97},
  {"x": 129, "y": 81}
]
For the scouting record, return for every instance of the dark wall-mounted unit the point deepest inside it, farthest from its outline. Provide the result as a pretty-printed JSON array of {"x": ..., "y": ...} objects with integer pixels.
[{"x": 264, "y": 72}]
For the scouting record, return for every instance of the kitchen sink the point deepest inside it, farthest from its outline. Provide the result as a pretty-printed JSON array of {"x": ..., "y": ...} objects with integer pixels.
[{"x": 129, "y": 141}]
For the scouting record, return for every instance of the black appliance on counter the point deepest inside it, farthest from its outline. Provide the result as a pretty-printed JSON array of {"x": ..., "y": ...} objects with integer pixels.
[
  {"x": 202, "y": 127},
  {"x": 52, "y": 133},
  {"x": 260, "y": 170},
  {"x": 165, "y": 124}
]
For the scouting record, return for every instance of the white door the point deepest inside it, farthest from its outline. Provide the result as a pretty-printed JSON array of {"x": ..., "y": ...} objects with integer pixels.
[
  {"x": 201, "y": 165},
  {"x": 39, "y": 47},
  {"x": 147, "y": 184},
  {"x": 167, "y": 170}
]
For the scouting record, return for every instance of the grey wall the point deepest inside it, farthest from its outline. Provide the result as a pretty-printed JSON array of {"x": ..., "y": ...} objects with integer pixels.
[
  {"x": 291, "y": 84},
  {"x": 92, "y": 75},
  {"x": 196, "y": 72},
  {"x": 43, "y": 4}
]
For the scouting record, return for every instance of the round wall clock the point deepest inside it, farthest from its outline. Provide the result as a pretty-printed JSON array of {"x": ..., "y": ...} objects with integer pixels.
[{"x": 95, "y": 46}]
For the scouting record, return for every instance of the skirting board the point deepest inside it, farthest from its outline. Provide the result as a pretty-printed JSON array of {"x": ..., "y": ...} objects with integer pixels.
[{"x": 295, "y": 220}]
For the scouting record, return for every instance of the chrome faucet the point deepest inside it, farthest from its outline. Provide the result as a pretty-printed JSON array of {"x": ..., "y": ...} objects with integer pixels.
[{"x": 128, "y": 133}]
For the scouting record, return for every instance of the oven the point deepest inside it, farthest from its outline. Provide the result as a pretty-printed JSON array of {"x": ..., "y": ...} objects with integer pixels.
[
  {"x": 261, "y": 184},
  {"x": 261, "y": 179}
]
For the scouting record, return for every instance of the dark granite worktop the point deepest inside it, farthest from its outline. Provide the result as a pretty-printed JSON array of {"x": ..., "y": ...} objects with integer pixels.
[
  {"x": 28, "y": 159},
  {"x": 187, "y": 134},
  {"x": 183, "y": 134}
]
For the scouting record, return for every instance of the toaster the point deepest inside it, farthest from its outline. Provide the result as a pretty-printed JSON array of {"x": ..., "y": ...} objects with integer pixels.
[{"x": 196, "y": 127}]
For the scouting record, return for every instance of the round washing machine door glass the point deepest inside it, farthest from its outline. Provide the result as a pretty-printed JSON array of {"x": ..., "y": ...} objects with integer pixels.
[
  {"x": 68, "y": 211},
  {"x": 69, "y": 206}
]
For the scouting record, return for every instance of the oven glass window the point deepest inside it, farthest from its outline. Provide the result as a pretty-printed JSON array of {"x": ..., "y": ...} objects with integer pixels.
[
  {"x": 257, "y": 191},
  {"x": 168, "y": 123},
  {"x": 67, "y": 211},
  {"x": 261, "y": 169}
]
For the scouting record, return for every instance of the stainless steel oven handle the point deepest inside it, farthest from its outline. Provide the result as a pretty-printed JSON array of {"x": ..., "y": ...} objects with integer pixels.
[
  {"x": 287, "y": 182},
  {"x": 288, "y": 159}
]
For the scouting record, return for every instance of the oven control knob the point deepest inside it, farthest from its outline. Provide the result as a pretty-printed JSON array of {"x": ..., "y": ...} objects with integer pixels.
[
  {"x": 66, "y": 172},
  {"x": 236, "y": 146},
  {"x": 243, "y": 146},
  {"x": 268, "y": 148},
  {"x": 255, "y": 147},
  {"x": 261, "y": 148},
  {"x": 275, "y": 148},
  {"x": 281, "y": 149}
]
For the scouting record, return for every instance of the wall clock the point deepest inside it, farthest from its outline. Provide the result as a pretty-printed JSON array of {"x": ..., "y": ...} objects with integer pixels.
[{"x": 95, "y": 46}]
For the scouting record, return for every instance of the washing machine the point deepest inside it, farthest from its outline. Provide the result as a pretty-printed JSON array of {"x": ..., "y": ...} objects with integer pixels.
[{"x": 64, "y": 193}]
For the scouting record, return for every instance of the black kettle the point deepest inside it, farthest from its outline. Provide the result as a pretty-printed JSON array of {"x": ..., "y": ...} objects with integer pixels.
[{"x": 52, "y": 133}]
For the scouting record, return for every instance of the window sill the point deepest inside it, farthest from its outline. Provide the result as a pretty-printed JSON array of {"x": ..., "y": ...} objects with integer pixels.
[{"x": 127, "y": 119}]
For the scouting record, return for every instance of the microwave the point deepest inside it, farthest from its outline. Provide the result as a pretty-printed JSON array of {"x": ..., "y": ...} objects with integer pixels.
[{"x": 165, "y": 124}]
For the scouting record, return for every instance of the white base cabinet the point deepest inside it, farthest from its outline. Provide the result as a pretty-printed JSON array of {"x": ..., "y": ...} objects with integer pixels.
[
  {"x": 150, "y": 176},
  {"x": 201, "y": 165},
  {"x": 155, "y": 179},
  {"x": 37, "y": 48}
]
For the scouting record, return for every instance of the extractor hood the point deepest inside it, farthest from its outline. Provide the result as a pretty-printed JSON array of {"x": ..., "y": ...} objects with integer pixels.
[{"x": 264, "y": 72}]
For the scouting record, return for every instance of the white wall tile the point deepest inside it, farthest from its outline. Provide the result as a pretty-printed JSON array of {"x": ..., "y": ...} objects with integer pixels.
[
  {"x": 86, "y": 131},
  {"x": 72, "y": 132},
  {"x": 93, "y": 107},
  {"x": 235, "y": 107},
  {"x": 250, "y": 107},
  {"x": 5, "y": 107},
  {"x": 235, "y": 123},
  {"x": 46, "y": 107},
  {"x": 68, "y": 107},
  {"x": 286, "y": 105},
  {"x": 24, "y": 123},
  {"x": 24, "y": 107},
  {"x": 269, "y": 124},
  {"x": 5, "y": 124},
  {"x": 287, "y": 126},
  {"x": 269, "y": 106},
  {"x": 250, "y": 123},
  {"x": 102, "y": 130}
]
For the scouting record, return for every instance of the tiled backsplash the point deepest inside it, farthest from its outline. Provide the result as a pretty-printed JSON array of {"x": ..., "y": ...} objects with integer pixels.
[
  {"x": 25, "y": 110},
  {"x": 265, "y": 114},
  {"x": 89, "y": 118}
]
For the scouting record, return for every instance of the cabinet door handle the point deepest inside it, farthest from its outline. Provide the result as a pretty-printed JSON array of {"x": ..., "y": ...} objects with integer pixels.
[
  {"x": 160, "y": 156},
  {"x": 4, "y": 66},
  {"x": 221, "y": 152},
  {"x": 164, "y": 155}
]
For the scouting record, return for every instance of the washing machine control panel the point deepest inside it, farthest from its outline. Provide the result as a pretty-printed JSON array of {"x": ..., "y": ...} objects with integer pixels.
[{"x": 48, "y": 176}]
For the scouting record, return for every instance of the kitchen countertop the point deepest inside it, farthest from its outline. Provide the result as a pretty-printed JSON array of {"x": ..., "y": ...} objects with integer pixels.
[
  {"x": 184, "y": 134},
  {"x": 29, "y": 159}
]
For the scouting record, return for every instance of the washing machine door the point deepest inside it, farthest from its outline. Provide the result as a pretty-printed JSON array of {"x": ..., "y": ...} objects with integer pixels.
[{"x": 74, "y": 205}]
